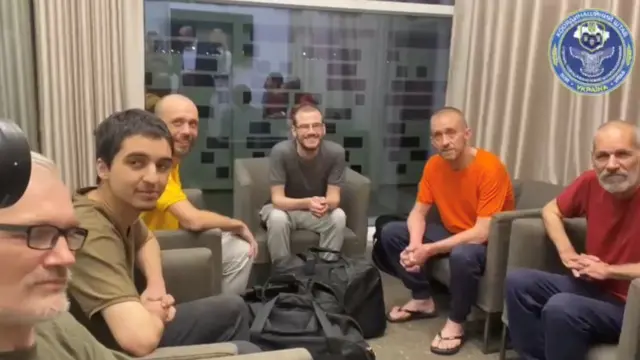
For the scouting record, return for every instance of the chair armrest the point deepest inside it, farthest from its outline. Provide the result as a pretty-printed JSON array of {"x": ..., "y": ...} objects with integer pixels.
[
  {"x": 629, "y": 342},
  {"x": 490, "y": 298},
  {"x": 195, "y": 197},
  {"x": 355, "y": 202},
  {"x": 187, "y": 273},
  {"x": 195, "y": 352},
  {"x": 210, "y": 239},
  {"x": 530, "y": 247},
  {"x": 289, "y": 354},
  {"x": 246, "y": 204}
]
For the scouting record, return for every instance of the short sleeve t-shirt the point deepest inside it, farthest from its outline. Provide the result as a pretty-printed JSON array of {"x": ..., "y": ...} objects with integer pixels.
[
  {"x": 482, "y": 189},
  {"x": 304, "y": 178},
  {"x": 63, "y": 339},
  {"x": 103, "y": 274},
  {"x": 613, "y": 228},
  {"x": 161, "y": 218}
]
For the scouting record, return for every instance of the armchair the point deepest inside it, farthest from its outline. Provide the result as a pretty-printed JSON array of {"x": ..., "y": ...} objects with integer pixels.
[
  {"x": 251, "y": 191},
  {"x": 530, "y": 196},
  {"x": 531, "y": 248},
  {"x": 182, "y": 239}
]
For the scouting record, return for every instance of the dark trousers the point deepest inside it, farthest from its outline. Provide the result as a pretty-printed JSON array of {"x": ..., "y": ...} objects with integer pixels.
[
  {"x": 220, "y": 318},
  {"x": 466, "y": 263},
  {"x": 558, "y": 317}
]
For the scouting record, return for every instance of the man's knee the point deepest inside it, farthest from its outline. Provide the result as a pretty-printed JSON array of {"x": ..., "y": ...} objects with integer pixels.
[
  {"x": 562, "y": 306},
  {"x": 394, "y": 232},
  {"x": 467, "y": 257},
  {"x": 519, "y": 280},
  {"x": 233, "y": 305},
  {"x": 338, "y": 218},
  {"x": 278, "y": 220}
]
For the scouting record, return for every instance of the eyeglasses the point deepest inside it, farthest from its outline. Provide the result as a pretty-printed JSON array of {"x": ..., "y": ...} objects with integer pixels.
[
  {"x": 45, "y": 237},
  {"x": 307, "y": 127}
]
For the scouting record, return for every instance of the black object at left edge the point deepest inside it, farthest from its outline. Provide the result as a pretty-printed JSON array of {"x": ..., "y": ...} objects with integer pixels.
[{"x": 15, "y": 163}]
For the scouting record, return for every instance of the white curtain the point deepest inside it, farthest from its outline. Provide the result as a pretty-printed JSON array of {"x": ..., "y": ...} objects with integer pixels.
[
  {"x": 501, "y": 77},
  {"x": 90, "y": 63},
  {"x": 17, "y": 72}
]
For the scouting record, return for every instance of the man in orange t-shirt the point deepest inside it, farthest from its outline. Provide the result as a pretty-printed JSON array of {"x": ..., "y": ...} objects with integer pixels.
[{"x": 468, "y": 186}]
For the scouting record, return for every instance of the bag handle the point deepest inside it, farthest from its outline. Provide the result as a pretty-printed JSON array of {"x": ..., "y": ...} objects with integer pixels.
[
  {"x": 284, "y": 279},
  {"x": 328, "y": 330},
  {"x": 262, "y": 316}
]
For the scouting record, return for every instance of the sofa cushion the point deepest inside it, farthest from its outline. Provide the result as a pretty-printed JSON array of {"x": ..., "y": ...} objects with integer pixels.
[{"x": 301, "y": 240}]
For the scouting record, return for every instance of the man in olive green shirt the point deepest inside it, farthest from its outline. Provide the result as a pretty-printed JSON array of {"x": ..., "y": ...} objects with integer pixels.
[
  {"x": 134, "y": 158},
  {"x": 38, "y": 237}
]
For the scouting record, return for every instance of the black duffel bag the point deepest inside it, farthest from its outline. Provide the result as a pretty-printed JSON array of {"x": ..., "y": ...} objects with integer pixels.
[
  {"x": 285, "y": 316},
  {"x": 354, "y": 281}
]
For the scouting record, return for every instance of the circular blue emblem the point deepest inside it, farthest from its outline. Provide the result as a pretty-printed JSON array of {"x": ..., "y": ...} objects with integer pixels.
[{"x": 592, "y": 52}]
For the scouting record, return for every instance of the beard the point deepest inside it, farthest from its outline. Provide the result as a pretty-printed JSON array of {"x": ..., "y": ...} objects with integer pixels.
[
  {"x": 616, "y": 183},
  {"x": 304, "y": 142},
  {"x": 182, "y": 147},
  {"x": 34, "y": 307}
]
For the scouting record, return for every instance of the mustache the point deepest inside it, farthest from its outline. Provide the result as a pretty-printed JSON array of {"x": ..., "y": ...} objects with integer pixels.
[
  {"x": 58, "y": 273},
  {"x": 615, "y": 175}
]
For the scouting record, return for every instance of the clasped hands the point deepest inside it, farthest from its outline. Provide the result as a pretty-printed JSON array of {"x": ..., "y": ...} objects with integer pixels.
[
  {"x": 159, "y": 303},
  {"x": 586, "y": 266},
  {"x": 318, "y": 206},
  {"x": 415, "y": 255}
]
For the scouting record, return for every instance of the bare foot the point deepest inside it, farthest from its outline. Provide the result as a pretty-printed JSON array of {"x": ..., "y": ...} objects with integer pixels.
[
  {"x": 449, "y": 340},
  {"x": 413, "y": 309}
]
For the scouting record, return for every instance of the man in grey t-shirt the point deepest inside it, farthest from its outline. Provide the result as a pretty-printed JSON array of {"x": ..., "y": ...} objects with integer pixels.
[{"x": 306, "y": 175}]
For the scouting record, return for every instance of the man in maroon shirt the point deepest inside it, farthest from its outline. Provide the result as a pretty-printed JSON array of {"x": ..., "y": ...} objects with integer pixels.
[{"x": 558, "y": 317}]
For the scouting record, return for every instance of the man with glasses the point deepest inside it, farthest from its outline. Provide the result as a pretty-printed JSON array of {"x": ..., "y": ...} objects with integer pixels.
[
  {"x": 467, "y": 185},
  {"x": 38, "y": 237},
  {"x": 553, "y": 316},
  {"x": 306, "y": 174},
  {"x": 134, "y": 150}
]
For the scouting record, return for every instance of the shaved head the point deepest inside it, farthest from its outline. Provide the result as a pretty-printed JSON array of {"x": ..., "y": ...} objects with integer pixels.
[
  {"x": 173, "y": 101},
  {"x": 455, "y": 114},
  {"x": 181, "y": 116}
]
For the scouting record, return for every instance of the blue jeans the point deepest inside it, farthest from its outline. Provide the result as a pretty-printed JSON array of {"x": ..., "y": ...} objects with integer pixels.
[
  {"x": 558, "y": 317},
  {"x": 466, "y": 263}
]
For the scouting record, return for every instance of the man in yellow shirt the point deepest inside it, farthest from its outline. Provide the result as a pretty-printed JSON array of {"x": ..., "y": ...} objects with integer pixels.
[{"x": 174, "y": 211}]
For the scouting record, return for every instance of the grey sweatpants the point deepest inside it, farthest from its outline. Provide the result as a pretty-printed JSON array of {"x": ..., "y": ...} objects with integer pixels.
[{"x": 280, "y": 224}]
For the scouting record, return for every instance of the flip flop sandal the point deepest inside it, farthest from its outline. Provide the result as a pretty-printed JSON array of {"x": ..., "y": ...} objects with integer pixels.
[
  {"x": 413, "y": 315},
  {"x": 449, "y": 351}
]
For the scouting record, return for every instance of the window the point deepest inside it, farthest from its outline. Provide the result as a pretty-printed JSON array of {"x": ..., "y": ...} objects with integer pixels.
[{"x": 376, "y": 76}]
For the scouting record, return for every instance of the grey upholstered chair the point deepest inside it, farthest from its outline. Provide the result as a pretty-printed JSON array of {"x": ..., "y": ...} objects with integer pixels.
[
  {"x": 251, "y": 191},
  {"x": 531, "y": 196},
  {"x": 182, "y": 239},
  {"x": 531, "y": 248}
]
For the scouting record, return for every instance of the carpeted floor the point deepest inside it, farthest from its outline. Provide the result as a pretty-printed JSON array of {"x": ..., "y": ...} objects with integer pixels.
[{"x": 412, "y": 340}]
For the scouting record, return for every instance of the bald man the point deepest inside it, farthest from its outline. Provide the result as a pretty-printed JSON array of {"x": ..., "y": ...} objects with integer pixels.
[
  {"x": 468, "y": 186},
  {"x": 556, "y": 317},
  {"x": 174, "y": 211},
  {"x": 38, "y": 238}
]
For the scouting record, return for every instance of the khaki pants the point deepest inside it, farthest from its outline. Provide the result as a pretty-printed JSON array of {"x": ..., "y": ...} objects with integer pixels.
[
  {"x": 236, "y": 264},
  {"x": 281, "y": 223}
]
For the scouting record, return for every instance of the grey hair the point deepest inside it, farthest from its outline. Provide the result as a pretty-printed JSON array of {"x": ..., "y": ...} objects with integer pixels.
[{"x": 39, "y": 159}]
